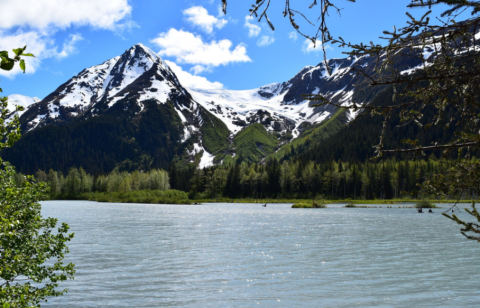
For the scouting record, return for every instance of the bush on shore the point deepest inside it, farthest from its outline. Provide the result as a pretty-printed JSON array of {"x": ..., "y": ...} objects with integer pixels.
[
  {"x": 313, "y": 205},
  {"x": 171, "y": 196},
  {"x": 425, "y": 204}
]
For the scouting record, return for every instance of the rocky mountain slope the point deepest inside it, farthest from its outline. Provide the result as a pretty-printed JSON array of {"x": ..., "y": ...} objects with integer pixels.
[
  {"x": 124, "y": 86},
  {"x": 280, "y": 107}
]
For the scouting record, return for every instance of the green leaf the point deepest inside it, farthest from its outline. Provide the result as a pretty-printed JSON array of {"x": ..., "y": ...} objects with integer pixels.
[
  {"x": 27, "y": 55},
  {"x": 7, "y": 65},
  {"x": 22, "y": 65},
  {"x": 18, "y": 51}
]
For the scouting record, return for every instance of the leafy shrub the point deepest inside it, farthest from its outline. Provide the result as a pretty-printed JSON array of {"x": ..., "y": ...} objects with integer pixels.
[
  {"x": 426, "y": 204},
  {"x": 319, "y": 204},
  {"x": 309, "y": 205}
]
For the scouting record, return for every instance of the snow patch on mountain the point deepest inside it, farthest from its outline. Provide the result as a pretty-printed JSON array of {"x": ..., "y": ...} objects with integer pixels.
[
  {"x": 103, "y": 81},
  {"x": 206, "y": 160},
  {"x": 159, "y": 91},
  {"x": 237, "y": 108},
  {"x": 20, "y": 100},
  {"x": 139, "y": 73}
]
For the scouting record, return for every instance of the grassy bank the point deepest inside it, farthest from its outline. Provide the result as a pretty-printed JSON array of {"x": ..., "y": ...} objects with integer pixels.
[
  {"x": 138, "y": 196},
  {"x": 180, "y": 197},
  {"x": 346, "y": 201}
]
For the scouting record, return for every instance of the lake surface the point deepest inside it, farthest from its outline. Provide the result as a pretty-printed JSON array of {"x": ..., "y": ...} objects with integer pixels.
[{"x": 244, "y": 255}]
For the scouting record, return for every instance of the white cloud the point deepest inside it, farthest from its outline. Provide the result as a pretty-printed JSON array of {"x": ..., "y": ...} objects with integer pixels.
[
  {"x": 188, "y": 48},
  {"x": 309, "y": 47},
  {"x": 253, "y": 30},
  {"x": 46, "y": 14},
  {"x": 37, "y": 44},
  {"x": 34, "y": 23},
  {"x": 265, "y": 41},
  {"x": 293, "y": 35},
  {"x": 198, "y": 69},
  {"x": 69, "y": 46},
  {"x": 199, "y": 16},
  {"x": 190, "y": 81}
]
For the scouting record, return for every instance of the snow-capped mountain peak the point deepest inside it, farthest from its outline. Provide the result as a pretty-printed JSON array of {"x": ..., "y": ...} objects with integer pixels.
[{"x": 107, "y": 83}]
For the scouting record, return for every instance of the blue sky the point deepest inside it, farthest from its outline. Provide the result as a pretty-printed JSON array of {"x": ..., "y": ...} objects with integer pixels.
[{"x": 205, "y": 47}]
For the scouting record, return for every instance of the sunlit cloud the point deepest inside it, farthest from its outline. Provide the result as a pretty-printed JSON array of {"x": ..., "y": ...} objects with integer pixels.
[
  {"x": 199, "y": 17},
  {"x": 188, "y": 48},
  {"x": 191, "y": 81},
  {"x": 253, "y": 30},
  {"x": 34, "y": 23},
  {"x": 265, "y": 40},
  {"x": 309, "y": 47}
]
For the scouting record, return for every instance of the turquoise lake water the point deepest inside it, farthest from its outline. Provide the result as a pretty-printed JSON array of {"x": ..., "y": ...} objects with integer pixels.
[{"x": 245, "y": 255}]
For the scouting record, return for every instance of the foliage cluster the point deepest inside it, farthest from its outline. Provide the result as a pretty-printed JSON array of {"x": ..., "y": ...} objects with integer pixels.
[
  {"x": 309, "y": 205},
  {"x": 426, "y": 204},
  {"x": 470, "y": 230},
  {"x": 31, "y": 250},
  {"x": 78, "y": 182}
]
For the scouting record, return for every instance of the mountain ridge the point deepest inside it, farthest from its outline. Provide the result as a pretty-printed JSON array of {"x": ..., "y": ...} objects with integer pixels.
[{"x": 197, "y": 125}]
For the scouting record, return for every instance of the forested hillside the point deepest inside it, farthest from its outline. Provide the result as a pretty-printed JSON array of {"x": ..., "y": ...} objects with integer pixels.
[
  {"x": 356, "y": 141},
  {"x": 101, "y": 143}
]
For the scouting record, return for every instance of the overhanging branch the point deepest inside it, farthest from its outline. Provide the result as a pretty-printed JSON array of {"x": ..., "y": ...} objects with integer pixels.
[{"x": 435, "y": 147}]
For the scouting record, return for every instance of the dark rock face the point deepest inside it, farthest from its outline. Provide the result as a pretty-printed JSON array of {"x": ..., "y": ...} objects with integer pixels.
[
  {"x": 270, "y": 91},
  {"x": 240, "y": 123},
  {"x": 261, "y": 116},
  {"x": 317, "y": 80}
]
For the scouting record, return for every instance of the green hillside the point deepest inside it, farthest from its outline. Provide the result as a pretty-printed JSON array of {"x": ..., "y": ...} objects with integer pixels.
[
  {"x": 215, "y": 133},
  {"x": 251, "y": 144},
  {"x": 315, "y": 134}
]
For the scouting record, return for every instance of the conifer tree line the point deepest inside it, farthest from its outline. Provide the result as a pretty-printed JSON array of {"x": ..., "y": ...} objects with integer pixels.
[
  {"x": 298, "y": 179},
  {"x": 78, "y": 181},
  {"x": 387, "y": 179}
]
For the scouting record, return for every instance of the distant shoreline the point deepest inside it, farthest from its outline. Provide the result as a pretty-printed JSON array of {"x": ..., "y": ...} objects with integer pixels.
[
  {"x": 178, "y": 197},
  {"x": 361, "y": 201}
]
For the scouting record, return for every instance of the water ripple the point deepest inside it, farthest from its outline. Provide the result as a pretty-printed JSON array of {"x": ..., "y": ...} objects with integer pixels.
[{"x": 244, "y": 255}]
